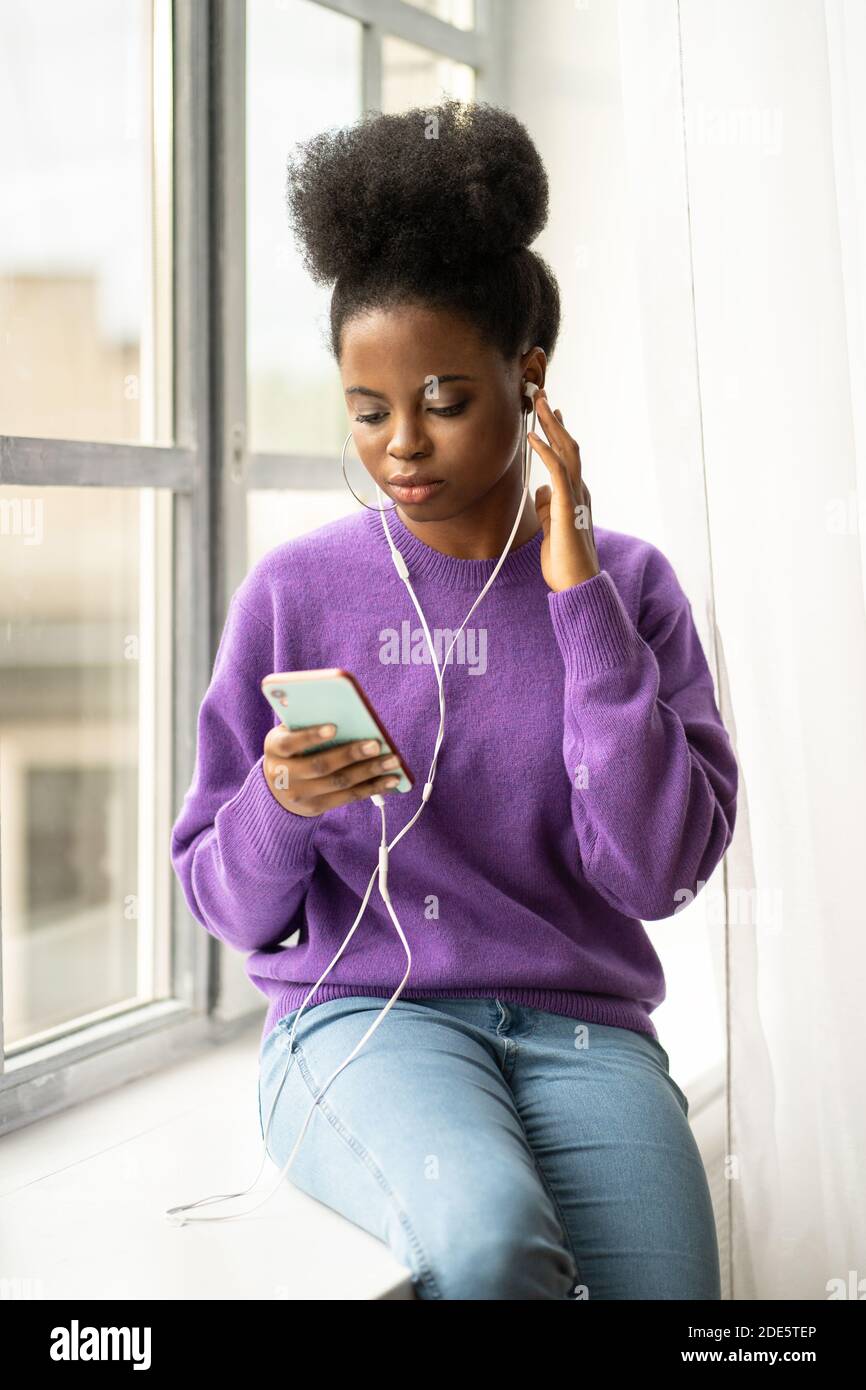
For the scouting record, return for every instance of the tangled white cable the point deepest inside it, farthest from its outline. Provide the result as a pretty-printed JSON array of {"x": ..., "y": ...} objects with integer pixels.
[{"x": 174, "y": 1214}]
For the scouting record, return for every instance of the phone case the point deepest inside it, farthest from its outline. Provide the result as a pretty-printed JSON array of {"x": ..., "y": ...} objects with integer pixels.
[{"x": 303, "y": 698}]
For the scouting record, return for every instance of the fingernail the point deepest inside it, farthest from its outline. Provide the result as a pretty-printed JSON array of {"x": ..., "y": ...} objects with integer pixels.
[
  {"x": 327, "y": 729},
  {"x": 370, "y": 747}
]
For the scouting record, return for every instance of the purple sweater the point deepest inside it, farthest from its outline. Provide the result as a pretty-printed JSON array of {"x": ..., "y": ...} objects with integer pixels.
[{"x": 585, "y": 780}]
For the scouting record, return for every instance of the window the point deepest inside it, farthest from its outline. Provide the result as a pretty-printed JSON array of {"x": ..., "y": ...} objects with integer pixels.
[
  {"x": 99, "y": 483},
  {"x": 418, "y": 55},
  {"x": 85, "y": 571},
  {"x": 294, "y": 396},
  {"x": 76, "y": 357},
  {"x": 168, "y": 410},
  {"x": 413, "y": 76},
  {"x": 461, "y": 13},
  {"x": 84, "y": 753}
]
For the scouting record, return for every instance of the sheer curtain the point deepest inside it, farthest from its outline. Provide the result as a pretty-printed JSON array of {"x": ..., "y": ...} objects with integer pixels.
[
  {"x": 744, "y": 137},
  {"x": 708, "y": 227}
]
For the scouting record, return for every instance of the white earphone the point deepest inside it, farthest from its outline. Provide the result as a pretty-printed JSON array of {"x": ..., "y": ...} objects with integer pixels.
[{"x": 173, "y": 1213}]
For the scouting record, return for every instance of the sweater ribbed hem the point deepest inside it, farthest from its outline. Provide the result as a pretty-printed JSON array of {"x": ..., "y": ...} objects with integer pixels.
[
  {"x": 276, "y": 837},
  {"x": 592, "y": 627},
  {"x": 586, "y": 1008}
]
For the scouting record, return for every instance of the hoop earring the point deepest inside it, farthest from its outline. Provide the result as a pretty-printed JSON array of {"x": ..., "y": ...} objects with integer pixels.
[{"x": 352, "y": 490}]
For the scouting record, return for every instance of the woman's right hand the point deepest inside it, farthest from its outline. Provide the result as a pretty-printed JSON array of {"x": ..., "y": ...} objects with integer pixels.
[{"x": 308, "y": 784}]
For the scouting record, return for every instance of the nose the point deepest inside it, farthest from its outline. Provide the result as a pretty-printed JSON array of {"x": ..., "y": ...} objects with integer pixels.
[
  {"x": 407, "y": 443},
  {"x": 407, "y": 440},
  {"x": 401, "y": 455}
]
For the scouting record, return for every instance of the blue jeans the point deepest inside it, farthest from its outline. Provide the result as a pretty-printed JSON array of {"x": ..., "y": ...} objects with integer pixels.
[{"x": 501, "y": 1152}]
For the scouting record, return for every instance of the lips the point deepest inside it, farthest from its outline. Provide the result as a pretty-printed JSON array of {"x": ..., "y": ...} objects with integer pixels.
[
  {"x": 408, "y": 480},
  {"x": 416, "y": 491}
]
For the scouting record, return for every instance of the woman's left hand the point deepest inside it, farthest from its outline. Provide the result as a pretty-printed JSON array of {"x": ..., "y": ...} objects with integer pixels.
[{"x": 568, "y": 553}]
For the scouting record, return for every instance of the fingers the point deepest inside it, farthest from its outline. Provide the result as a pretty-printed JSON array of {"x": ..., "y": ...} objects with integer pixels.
[
  {"x": 560, "y": 475},
  {"x": 310, "y": 766},
  {"x": 294, "y": 744},
  {"x": 357, "y": 792},
  {"x": 343, "y": 769},
  {"x": 320, "y": 773},
  {"x": 552, "y": 423},
  {"x": 303, "y": 803},
  {"x": 561, "y": 445},
  {"x": 290, "y": 742}
]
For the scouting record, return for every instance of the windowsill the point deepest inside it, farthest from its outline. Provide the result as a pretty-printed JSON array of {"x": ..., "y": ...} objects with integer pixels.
[
  {"x": 85, "y": 1190},
  {"x": 84, "y": 1194}
]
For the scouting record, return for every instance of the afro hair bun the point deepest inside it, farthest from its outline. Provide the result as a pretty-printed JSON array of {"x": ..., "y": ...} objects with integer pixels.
[{"x": 452, "y": 185}]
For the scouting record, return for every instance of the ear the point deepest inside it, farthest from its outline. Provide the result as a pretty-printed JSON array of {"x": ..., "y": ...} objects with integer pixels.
[{"x": 533, "y": 367}]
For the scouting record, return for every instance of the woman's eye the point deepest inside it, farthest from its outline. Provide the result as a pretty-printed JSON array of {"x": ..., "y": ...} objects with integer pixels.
[{"x": 377, "y": 416}]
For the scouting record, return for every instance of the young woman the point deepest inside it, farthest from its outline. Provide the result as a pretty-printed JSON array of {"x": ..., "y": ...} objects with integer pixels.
[{"x": 510, "y": 1128}]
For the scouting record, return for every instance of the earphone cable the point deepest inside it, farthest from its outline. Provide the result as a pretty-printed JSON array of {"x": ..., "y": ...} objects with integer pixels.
[{"x": 174, "y": 1214}]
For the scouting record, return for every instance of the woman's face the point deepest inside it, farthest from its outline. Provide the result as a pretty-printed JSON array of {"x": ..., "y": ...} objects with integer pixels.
[{"x": 428, "y": 399}]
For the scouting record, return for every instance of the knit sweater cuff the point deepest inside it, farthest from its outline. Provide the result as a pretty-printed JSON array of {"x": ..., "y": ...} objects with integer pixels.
[
  {"x": 278, "y": 838},
  {"x": 592, "y": 627}
]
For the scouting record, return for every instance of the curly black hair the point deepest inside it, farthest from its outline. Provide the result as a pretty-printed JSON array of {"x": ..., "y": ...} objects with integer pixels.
[{"x": 435, "y": 206}]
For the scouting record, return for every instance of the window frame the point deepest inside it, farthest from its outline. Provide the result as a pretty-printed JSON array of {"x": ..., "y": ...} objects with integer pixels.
[
  {"x": 481, "y": 48},
  {"x": 95, "y": 1054},
  {"x": 208, "y": 471}
]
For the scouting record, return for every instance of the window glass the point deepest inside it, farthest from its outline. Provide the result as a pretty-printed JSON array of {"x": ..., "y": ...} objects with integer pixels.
[
  {"x": 76, "y": 246},
  {"x": 413, "y": 76},
  {"x": 460, "y": 13},
  {"x": 85, "y": 753},
  {"x": 303, "y": 76}
]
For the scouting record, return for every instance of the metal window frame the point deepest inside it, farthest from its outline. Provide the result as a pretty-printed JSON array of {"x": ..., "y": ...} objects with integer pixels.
[
  {"x": 111, "y": 1048},
  {"x": 482, "y": 48},
  {"x": 209, "y": 471}
]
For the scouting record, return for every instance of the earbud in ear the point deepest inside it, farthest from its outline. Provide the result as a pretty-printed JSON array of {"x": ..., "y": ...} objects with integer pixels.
[{"x": 529, "y": 389}]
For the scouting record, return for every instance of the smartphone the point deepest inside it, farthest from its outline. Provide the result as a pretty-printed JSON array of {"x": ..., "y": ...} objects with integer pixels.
[{"x": 304, "y": 698}]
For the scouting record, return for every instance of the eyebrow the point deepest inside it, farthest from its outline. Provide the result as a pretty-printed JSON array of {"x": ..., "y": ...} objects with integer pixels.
[{"x": 367, "y": 391}]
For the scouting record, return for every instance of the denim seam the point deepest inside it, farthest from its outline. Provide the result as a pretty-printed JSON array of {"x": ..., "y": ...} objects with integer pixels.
[
  {"x": 531, "y": 1017},
  {"x": 545, "y": 1184},
  {"x": 659, "y": 1053},
  {"x": 681, "y": 1098},
  {"x": 363, "y": 1154},
  {"x": 557, "y": 1208},
  {"x": 494, "y": 1016}
]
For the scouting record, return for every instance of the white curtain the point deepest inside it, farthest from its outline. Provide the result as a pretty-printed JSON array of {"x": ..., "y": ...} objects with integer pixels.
[
  {"x": 707, "y": 161},
  {"x": 744, "y": 138}
]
